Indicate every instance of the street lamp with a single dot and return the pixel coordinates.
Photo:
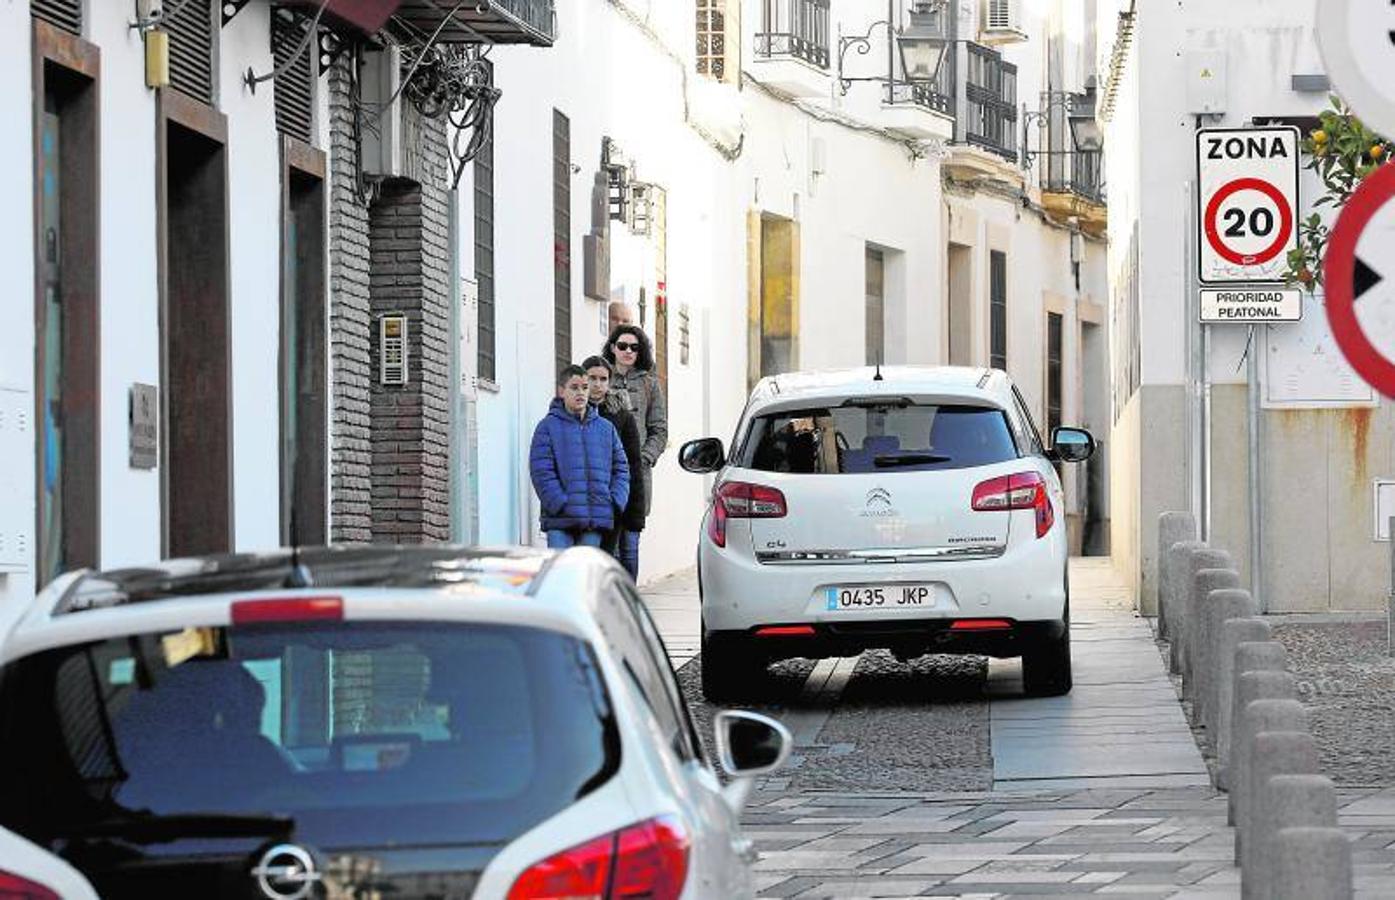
(1085, 132)
(921, 46)
(1084, 128)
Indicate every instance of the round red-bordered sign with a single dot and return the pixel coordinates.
(1213, 210)
(1339, 276)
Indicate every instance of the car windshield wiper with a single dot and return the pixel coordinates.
(145, 827)
(892, 460)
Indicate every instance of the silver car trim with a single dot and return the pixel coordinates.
(872, 557)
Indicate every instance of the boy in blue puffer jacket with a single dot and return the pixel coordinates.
(578, 467)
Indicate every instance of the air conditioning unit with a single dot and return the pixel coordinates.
(1002, 22)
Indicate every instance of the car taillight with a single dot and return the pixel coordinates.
(741, 500)
(287, 609)
(1025, 490)
(648, 861)
(13, 887)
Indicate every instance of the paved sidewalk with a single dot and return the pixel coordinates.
(1121, 725)
(1146, 844)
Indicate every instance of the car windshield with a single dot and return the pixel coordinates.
(878, 437)
(351, 734)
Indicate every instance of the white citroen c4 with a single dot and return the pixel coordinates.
(913, 509)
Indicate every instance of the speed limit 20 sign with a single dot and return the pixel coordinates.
(1247, 203)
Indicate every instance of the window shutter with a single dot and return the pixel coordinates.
(64, 14)
(484, 255)
(997, 299)
(191, 49)
(295, 80)
(561, 238)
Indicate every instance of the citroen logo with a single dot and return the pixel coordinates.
(879, 496)
(287, 872)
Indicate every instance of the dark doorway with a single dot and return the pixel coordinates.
(304, 438)
(66, 314)
(196, 376)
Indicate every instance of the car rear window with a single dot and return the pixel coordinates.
(878, 437)
(361, 733)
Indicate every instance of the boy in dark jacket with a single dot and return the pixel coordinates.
(578, 467)
(614, 408)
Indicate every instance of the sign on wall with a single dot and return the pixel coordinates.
(1303, 368)
(1241, 305)
(144, 449)
(1247, 203)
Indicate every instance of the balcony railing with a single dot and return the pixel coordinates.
(797, 28)
(1078, 172)
(491, 21)
(937, 95)
(990, 91)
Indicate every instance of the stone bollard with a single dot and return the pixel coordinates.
(1174, 604)
(1278, 711)
(1313, 864)
(1196, 561)
(1273, 753)
(1173, 528)
(1285, 801)
(1216, 608)
(1234, 633)
(1193, 673)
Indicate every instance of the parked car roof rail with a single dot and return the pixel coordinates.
(341, 566)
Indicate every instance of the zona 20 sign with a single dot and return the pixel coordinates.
(1247, 203)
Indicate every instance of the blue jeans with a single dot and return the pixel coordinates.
(628, 552)
(561, 540)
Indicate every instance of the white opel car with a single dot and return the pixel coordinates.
(911, 509)
(385, 722)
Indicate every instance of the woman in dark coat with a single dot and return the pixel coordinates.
(632, 357)
(613, 406)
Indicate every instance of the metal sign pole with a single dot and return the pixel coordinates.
(1256, 479)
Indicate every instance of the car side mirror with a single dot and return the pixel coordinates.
(750, 744)
(1072, 445)
(702, 456)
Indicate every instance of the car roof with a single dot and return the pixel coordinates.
(520, 585)
(969, 383)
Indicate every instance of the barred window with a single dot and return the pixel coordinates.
(712, 38)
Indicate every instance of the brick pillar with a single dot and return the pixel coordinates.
(350, 322)
(409, 274)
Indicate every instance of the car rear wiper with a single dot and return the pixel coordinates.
(145, 827)
(892, 460)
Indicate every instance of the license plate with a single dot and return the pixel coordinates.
(884, 596)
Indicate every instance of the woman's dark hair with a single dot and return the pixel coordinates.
(644, 361)
(597, 362)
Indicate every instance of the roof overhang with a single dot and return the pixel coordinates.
(452, 21)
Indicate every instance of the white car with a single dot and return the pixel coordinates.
(380, 721)
(913, 509)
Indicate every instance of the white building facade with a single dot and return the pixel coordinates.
(800, 226)
(1181, 401)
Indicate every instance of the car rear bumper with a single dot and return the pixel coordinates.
(1025, 587)
(907, 638)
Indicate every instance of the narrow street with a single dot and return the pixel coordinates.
(937, 777)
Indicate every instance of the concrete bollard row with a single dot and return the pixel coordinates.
(1234, 633)
(1173, 528)
(1220, 607)
(1284, 801)
(1207, 582)
(1312, 864)
(1271, 753)
(1264, 702)
(1197, 561)
(1179, 563)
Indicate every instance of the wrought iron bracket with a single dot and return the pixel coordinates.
(231, 8)
(863, 43)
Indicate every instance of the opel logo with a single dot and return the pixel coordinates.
(879, 496)
(287, 872)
